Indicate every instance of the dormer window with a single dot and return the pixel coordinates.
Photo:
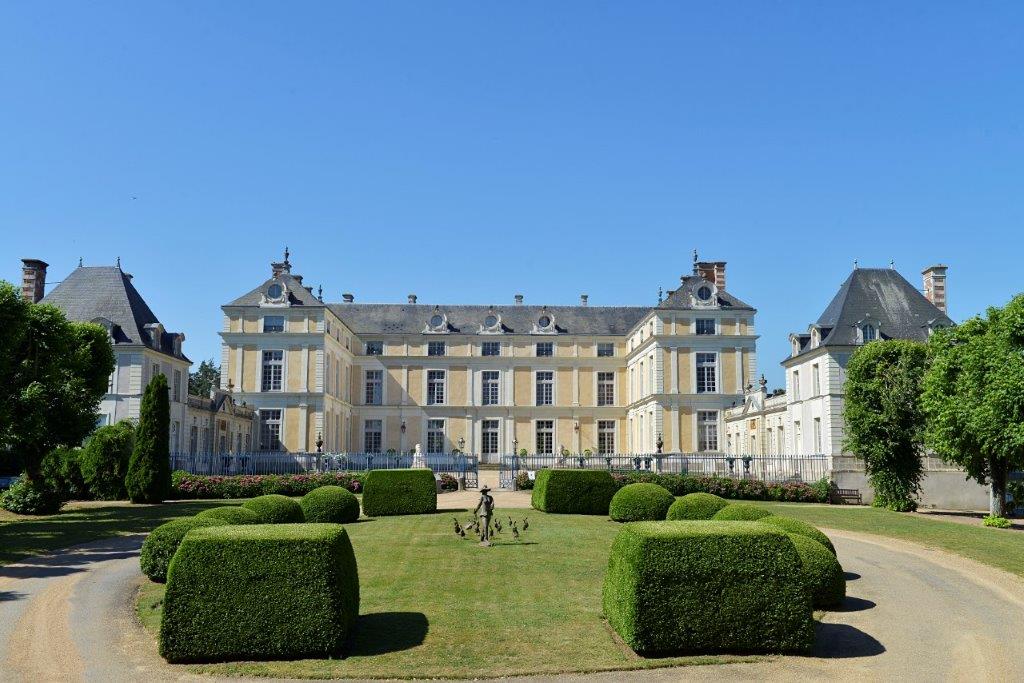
(274, 291)
(437, 322)
(544, 322)
(868, 333)
(703, 295)
(490, 321)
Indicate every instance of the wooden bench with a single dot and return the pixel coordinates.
(850, 496)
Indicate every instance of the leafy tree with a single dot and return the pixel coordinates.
(53, 374)
(149, 471)
(104, 461)
(884, 420)
(974, 397)
(204, 379)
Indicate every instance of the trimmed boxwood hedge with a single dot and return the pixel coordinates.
(275, 509)
(258, 592)
(706, 586)
(574, 492)
(399, 492)
(740, 512)
(161, 544)
(696, 506)
(232, 514)
(822, 571)
(795, 526)
(330, 504)
(640, 502)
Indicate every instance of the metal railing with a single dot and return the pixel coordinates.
(770, 469)
(458, 465)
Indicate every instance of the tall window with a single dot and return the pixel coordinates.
(817, 435)
(273, 370)
(374, 387)
(374, 348)
(435, 348)
(435, 436)
(606, 388)
(489, 387)
(816, 379)
(156, 371)
(606, 436)
(193, 439)
(177, 386)
(110, 381)
(707, 371)
(868, 332)
(435, 387)
(707, 430)
(780, 440)
(372, 436)
(796, 385)
(273, 323)
(489, 437)
(545, 437)
(490, 349)
(705, 325)
(545, 349)
(643, 377)
(270, 430)
(798, 435)
(545, 388)
(605, 349)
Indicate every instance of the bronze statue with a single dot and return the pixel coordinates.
(485, 510)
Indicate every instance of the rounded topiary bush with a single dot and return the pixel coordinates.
(640, 503)
(161, 544)
(741, 512)
(330, 504)
(232, 514)
(822, 571)
(275, 509)
(695, 506)
(795, 526)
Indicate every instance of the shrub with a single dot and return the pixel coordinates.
(286, 591)
(399, 492)
(62, 472)
(694, 506)
(161, 544)
(30, 497)
(640, 502)
(232, 514)
(822, 572)
(275, 509)
(575, 492)
(707, 586)
(330, 504)
(149, 470)
(104, 461)
(740, 512)
(736, 489)
(523, 481)
(200, 486)
(448, 482)
(996, 521)
(795, 526)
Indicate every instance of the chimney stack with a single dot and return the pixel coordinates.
(347, 298)
(935, 285)
(412, 298)
(583, 299)
(519, 299)
(712, 271)
(33, 279)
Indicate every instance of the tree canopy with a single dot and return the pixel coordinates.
(974, 397)
(205, 378)
(53, 374)
(884, 419)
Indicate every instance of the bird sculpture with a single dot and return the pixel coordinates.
(510, 522)
(462, 532)
(526, 524)
(515, 532)
(497, 526)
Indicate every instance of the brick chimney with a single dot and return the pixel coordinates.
(712, 271)
(935, 285)
(583, 299)
(33, 279)
(412, 298)
(519, 299)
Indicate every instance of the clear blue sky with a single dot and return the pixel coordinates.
(469, 151)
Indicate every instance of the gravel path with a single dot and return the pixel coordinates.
(913, 614)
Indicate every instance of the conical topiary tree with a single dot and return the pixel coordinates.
(149, 471)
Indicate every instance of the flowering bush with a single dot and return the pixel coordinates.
(200, 486)
(523, 482)
(726, 487)
(448, 482)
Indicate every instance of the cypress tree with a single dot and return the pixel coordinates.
(149, 471)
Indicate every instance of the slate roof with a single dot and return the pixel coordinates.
(106, 293)
(896, 307)
(297, 294)
(680, 298)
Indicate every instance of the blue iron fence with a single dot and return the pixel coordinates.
(456, 464)
(772, 469)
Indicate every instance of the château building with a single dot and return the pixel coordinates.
(372, 377)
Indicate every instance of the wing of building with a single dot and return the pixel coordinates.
(489, 379)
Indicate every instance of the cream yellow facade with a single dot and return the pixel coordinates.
(489, 380)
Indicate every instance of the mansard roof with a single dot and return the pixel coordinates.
(106, 295)
(298, 295)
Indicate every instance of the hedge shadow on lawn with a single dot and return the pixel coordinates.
(383, 632)
(842, 641)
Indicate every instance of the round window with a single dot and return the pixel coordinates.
(544, 321)
(490, 321)
(436, 321)
(704, 293)
(274, 291)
